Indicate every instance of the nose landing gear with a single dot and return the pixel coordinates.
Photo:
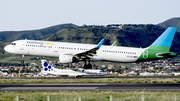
(22, 61)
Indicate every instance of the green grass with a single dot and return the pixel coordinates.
(101, 80)
(90, 96)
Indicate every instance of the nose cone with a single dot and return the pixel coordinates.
(7, 49)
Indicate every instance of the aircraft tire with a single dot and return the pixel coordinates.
(87, 66)
(22, 62)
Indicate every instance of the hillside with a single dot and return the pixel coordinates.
(32, 34)
(173, 22)
(129, 35)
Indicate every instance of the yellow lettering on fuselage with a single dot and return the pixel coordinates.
(47, 43)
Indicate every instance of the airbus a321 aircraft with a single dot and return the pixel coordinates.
(76, 72)
(75, 52)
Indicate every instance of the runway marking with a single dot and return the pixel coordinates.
(70, 84)
(49, 88)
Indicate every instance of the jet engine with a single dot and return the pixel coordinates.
(67, 59)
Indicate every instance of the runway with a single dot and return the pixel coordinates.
(90, 87)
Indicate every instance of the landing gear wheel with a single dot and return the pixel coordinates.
(22, 61)
(87, 66)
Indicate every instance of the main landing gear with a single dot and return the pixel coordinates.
(87, 66)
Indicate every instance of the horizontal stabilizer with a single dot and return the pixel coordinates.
(168, 54)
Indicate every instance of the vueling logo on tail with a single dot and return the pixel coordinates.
(47, 67)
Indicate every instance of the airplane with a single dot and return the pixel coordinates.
(76, 72)
(75, 52)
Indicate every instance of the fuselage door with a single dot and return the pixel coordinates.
(55, 47)
(22, 45)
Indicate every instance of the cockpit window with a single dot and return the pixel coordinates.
(13, 44)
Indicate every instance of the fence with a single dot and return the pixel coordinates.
(110, 98)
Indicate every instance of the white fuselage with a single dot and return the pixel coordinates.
(69, 72)
(54, 49)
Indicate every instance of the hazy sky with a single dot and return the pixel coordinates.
(16, 15)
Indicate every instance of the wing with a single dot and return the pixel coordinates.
(90, 53)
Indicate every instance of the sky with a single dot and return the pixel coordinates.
(18, 15)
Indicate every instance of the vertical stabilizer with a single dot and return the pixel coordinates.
(165, 40)
(159, 49)
(46, 67)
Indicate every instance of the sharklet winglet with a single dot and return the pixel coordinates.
(114, 44)
(100, 43)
